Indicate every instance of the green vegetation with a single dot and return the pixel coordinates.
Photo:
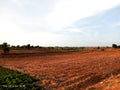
(5, 48)
(119, 46)
(14, 80)
(115, 46)
(28, 46)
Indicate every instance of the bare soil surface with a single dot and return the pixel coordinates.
(111, 83)
(66, 70)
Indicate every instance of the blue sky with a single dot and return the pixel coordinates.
(60, 22)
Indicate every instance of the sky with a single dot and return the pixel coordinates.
(60, 22)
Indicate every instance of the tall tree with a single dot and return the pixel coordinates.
(114, 45)
(5, 48)
(28, 46)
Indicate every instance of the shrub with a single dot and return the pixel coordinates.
(98, 47)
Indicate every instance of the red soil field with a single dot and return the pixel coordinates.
(60, 70)
(111, 83)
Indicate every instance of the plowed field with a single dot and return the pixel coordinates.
(66, 70)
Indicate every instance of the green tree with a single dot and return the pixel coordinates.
(119, 46)
(5, 48)
(114, 46)
(28, 46)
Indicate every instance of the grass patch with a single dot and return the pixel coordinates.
(14, 80)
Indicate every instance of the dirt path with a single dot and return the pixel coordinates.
(74, 71)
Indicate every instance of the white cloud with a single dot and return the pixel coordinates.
(20, 19)
(19, 3)
(68, 11)
(75, 30)
(9, 27)
(116, 24)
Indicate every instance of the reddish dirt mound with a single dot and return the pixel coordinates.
(73, 71)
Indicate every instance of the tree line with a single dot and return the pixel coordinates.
(115, 46)
(7, 47)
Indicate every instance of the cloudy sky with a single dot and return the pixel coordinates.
(60, 22)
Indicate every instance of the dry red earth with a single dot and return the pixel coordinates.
(111, 83)
(66, 70)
